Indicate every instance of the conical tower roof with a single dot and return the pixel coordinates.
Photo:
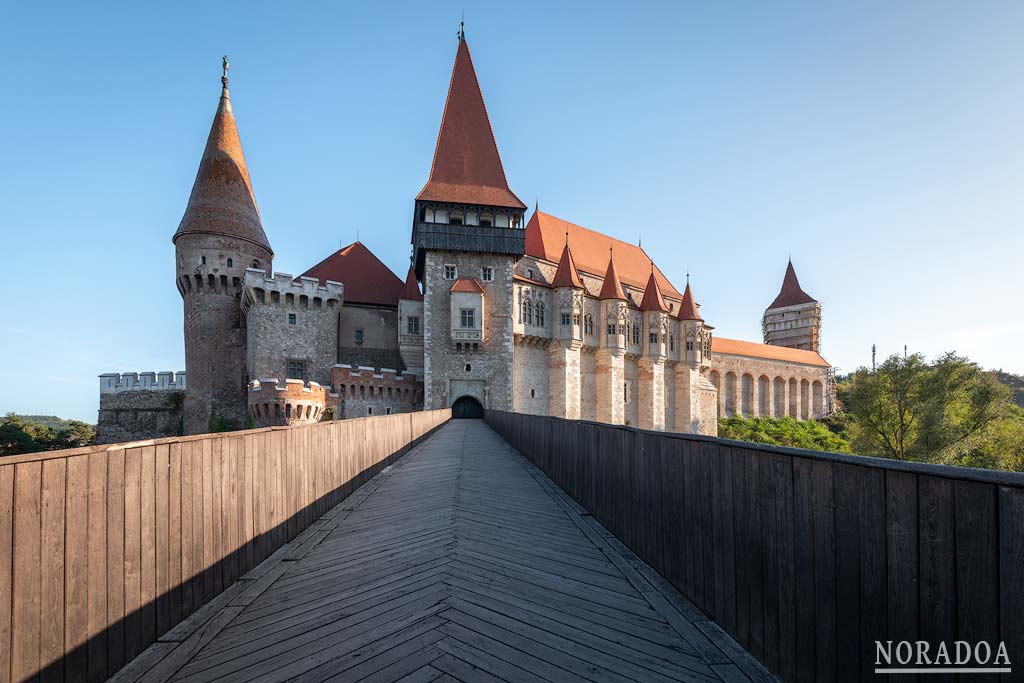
(653, 300)
(467, 167)
(791, 294)
(222, 201)
(612, 288)
(566, 275)
(411, 291)
(688, 307)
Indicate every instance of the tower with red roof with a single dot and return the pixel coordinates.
(467, 234)
(219, 237)
(793, 319)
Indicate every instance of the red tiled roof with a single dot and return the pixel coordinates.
(468, 284)
(611, 288)
(688, 307)
(366, 279)
(735, 347)
(566, 275)
(222, 201)
(467, 167)
(652, 300)
(545, 235)
(791, 294)
(411, 291)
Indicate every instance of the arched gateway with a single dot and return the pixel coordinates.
(467, 408)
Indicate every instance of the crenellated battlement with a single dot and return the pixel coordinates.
(304, 292)
(115, 383)
(363, 390)
(294, 402)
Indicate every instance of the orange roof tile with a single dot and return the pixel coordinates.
(467, 167)
(611, 288)
(652, 300)
(411, 291)
(222, 201)
(468, 284)
(566, 275)
(545, 235)
(366, 279)
(735, 347)
(688, 307)
(791, 294)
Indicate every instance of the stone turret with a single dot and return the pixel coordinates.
(696, 396)
(794, 318)
(564, 351)
(611, 355)
(219, 236)
(651, 366)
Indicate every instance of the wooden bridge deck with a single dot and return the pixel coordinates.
(460, 562)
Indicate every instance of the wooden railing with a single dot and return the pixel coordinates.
(805, 558)
(104, 549)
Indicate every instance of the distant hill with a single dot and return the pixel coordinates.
(52, 421)
(1016, 384)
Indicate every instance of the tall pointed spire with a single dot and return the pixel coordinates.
(688, 307)
(791, 293)
(411, 290)
(612, 287)
(467, 167)
(566, 275)
(222, 200)
(653, 300)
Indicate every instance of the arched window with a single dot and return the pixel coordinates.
(636, 333)
(486, 220)
(456, 218)
(231, 263)
(671, 342)
(256, 264)
(588, 324)
(528, 312)
(540, 314)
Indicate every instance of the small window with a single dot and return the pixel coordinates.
(204, 260)
(611, 329)
(359, 336)
(450, 273)
(291, 318)
(468, 367)
(529, 272)
(387, 410)
(487, 274)
(297, 369)
(566, 319)
(652, 338)
(413, 324)
(458, 347)
(689, 345)
(255, 264)
(231, 263)
(533, 393)
(540, 314)
(467, 317)
(369, 410)
(476, 346)
(485, 222)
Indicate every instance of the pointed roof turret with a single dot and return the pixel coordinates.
(653, 300)
(791, 294)
(688, 307)
(566, 275)
(411, 291)
(222, 201)
(611, 288)
(467, 167)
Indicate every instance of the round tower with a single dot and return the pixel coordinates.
(220, 236)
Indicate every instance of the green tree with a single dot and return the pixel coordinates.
(884, 406)
(14, 438)
(785, 431)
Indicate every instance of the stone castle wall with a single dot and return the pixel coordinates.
(139, 414)
(364, 391)
(486, 374)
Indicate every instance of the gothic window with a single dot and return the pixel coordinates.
(450, 272)
(566, 319)
(413, 324)
(455, 218)
(297, 369)
(467, 317)
(689, 345)
(652, 338)
(611, 329)
(576, 319)
(486, 220)
(231, 263)
(255, 264)
(528, 312)
(540, 314)
(487, 274)
(636, 333)
(588, 324)
(671, 342)
(625, 392)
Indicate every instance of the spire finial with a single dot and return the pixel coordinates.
(566, 238)
(687, 277)
(462, 27)
(536, 205)
(225, 65)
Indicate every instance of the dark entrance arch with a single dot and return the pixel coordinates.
(467, 408)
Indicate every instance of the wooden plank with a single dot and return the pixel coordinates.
(848, 488)
(805, 628)
(824, 540)
(199, 525)
(76, 570)
(133, 643)
(116, 470)
(26, 593)
(52, 616)
(174, 537)
(936, 550)
(97, 617)
(147, 546)
(977, 563)
(162, 518)
(873, 608)
(6, 567)
(784, 521)
(769, 494)
(209, 540)
(1011, 568)
(901, 556)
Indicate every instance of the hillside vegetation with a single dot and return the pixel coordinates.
(31, 433)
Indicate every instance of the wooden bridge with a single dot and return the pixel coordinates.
(416, 547)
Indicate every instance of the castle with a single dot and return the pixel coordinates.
(496, 311)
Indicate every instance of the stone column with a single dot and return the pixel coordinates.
(651, 410)
(564, 379)
(688, 396)
(610, 378)
(755, 397)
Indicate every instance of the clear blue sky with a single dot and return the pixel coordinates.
(879, 143)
